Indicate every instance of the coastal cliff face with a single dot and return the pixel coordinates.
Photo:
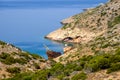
(86, 26)
(97, 30)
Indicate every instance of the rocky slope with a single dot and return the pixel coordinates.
(86, 26)
(97, 31)
(13, 60)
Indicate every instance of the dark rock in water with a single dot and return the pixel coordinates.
(52, 54)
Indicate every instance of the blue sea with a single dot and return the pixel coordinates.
(24, 23)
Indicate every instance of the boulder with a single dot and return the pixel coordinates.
(52, 54)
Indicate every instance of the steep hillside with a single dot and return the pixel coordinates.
(97, 34)
(97, 30)
(13, 60)
(88, 25)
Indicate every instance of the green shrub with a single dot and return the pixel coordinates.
(7, 59)
(114, 58)
(25, 55)
(80, 76)
(57, 69)
(70, 66)
(105, 45)
(36, 66)
(114, 67)
(114, 22)
(4, 55)
(97, 63)
(13, 70)
(118, 51)
(2, 43)
(64, 27)
(103, 13)
(21, 61)
(86, 58)
(39, 75)
(60, 77)
(22, 76)
(78, 68)
(35, 56)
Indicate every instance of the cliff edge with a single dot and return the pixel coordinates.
(88, 25)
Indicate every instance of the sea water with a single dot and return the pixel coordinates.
(24, 23)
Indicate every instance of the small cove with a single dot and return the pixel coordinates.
(25, 23)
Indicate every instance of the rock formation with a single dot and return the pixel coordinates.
(52, 54)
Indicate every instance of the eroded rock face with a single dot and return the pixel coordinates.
(52, 54)
(75, 35)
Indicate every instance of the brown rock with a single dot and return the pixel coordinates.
(52, 54)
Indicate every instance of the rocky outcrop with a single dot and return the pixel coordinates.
(52, 54)
(75, 35)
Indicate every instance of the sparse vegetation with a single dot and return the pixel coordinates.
(64, 26)
(39, 75)
(13, 70)
(2, 43)
(114, 67)
(8, 59)
(86, 63)
(80, 76)
(35, 56)
(114, 22)
(36, 65)
(103, 14)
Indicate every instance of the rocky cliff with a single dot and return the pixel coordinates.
(96, 29)
(88, 25)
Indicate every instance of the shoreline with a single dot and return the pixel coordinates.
(59, 34)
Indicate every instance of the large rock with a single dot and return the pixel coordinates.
(52, 54)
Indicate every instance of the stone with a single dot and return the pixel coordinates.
(52, 54)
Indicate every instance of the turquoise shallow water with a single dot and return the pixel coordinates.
(24, 23)
(38, 48)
